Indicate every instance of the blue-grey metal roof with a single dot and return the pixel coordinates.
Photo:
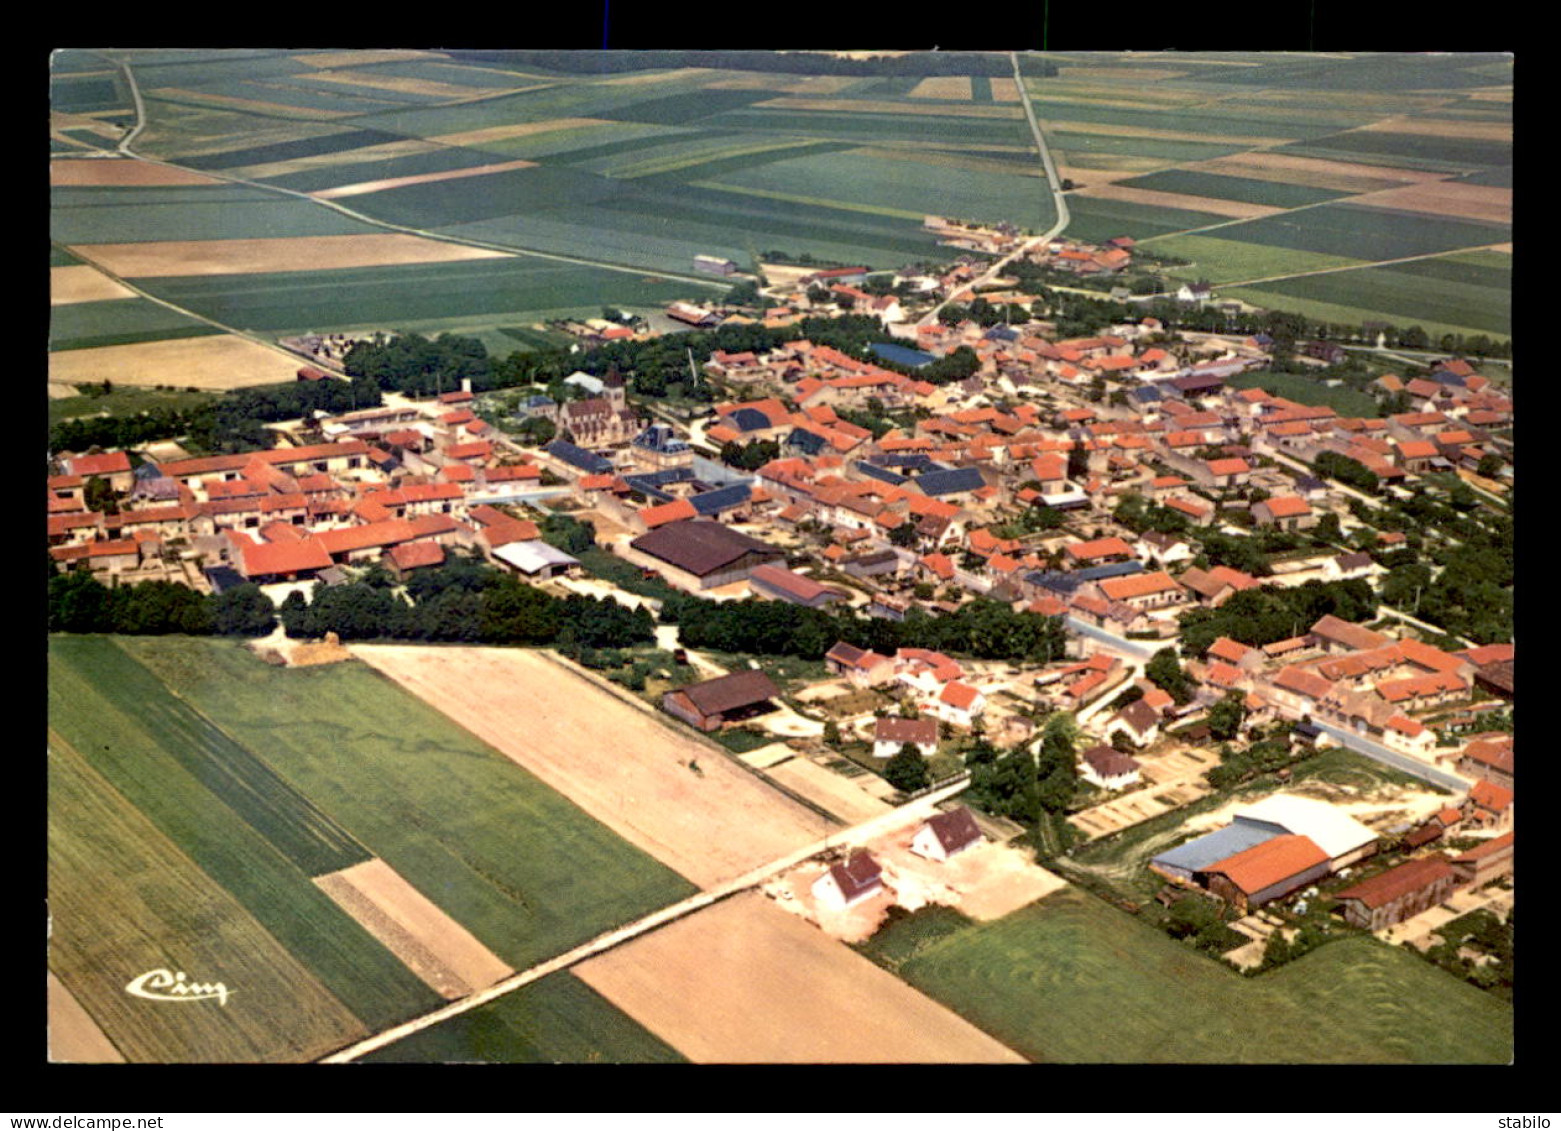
(952, 482)
(882, 474)
(223, 578)
(1001, 334)
(660, 438)
(1065, 582)
(722, 498)
(1307, 483)
(576, 456)
(1145, 394)
(749, 420)
(906, 461)
(1198, 854)
(902, 355)
(653, 483)
(811, 443)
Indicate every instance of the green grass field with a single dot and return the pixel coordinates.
(369, 297)
(1221, 187)
(1225, 261)
(556, 1020)
(214, 212)
(1304, 390)
(1437, 290)
(522, 868)
(113, 322)
(124, 900)
(1107, 219)
(94, 707)
(1070, 979)
(1354, 314)
(1365, 233)
(124, 401)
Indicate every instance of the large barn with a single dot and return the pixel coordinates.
(705, 555)
(716, 702)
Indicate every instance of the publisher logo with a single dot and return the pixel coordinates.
(165, 985)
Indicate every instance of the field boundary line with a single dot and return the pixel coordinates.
(1358, 266)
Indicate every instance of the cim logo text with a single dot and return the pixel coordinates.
(165, 985)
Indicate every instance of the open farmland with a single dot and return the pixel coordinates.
(1073, 980)
(80, 283)
(504, 289)
(211, 361)
(119, 321)
(1422, 292)
(555, 1020)
(210, 212)
(121, 173)
(260, 256)
(743, 982)
(628, 768)
(124, 900)
(520, 867)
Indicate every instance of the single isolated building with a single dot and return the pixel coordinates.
(714, 703)
(946, 835)
(848, 884)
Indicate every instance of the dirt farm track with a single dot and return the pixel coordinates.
(710, 821)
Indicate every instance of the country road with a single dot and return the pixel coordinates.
(920, 809)
(1057, 196)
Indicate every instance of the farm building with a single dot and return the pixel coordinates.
(891, 733)
(1398, 893)
(1266, 871)
(1186, 860)
(794, 588)
(714, 703)
(535, 559)
(846, 885)
(1344, 839)
(714, 265)
(946, 835)
(862, 668)
(706, 555)
(1490, 861)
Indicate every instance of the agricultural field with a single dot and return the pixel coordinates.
(206, 361)
(1437, 291)
(123, 321)
(1223, 187)
(124, 402)
(555, 1020)
(1215, 259)
(523, 869)
(216, 212)
(1073, 980)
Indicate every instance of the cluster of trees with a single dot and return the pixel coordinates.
(1024, 787)
(1164, 670)
(419, 366)
(1268, 614)
(927, 63)
(1350, 472)
(1140, 515)
(1200, 920)
(985, 629)
(1481, 930)
(984, 313)
(465, 601)
(78, 602)
(1262, 757)
(750, 456)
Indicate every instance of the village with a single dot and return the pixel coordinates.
(1103, 484)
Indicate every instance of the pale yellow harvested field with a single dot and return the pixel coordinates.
(865, 106)
(1490, 203)
(122, 171)
(745, 983)
(1491, 96)
(1442, 127)
(1237, 208)
(386, 152)
(1344, 176)
(1506, 247)
(629, 769)
(1120, 74)
(399, 84)
(61, 392)
(942, 86)
(58, 121)
(281, 109)
(219, 361)
(74, 1038)
(284, 253)
(83, 284)
(363, 58)
(828, 790)
(1005, 90)
(363, 187)
(520, 129)
(444, 954)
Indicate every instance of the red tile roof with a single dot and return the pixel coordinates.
(1395, 883)
(1272, 862)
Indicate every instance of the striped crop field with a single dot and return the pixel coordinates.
(1366, 233)
(1217, 185)
(215, 212)
(115, 322)
(527, 872)
(555, 1020)
(1073, 980)
(1219, 260)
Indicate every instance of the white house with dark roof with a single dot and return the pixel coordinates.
(891, 733)
(946, 835)
(846, 885)
(1108, 768)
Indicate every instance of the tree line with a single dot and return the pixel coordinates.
(79, 602)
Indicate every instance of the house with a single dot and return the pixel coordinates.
(713, 704)
(891, 733)
(1400, 892)
(1265, 872)
(1487, 862)
(1108, 768)
(1154, 589)
(1488, 806)
(959, 704)
(1489, 759)
(846, 885)
(861, 667)
(1140, 721)
(1287, 512)
(1334, 635)
(946, 835)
